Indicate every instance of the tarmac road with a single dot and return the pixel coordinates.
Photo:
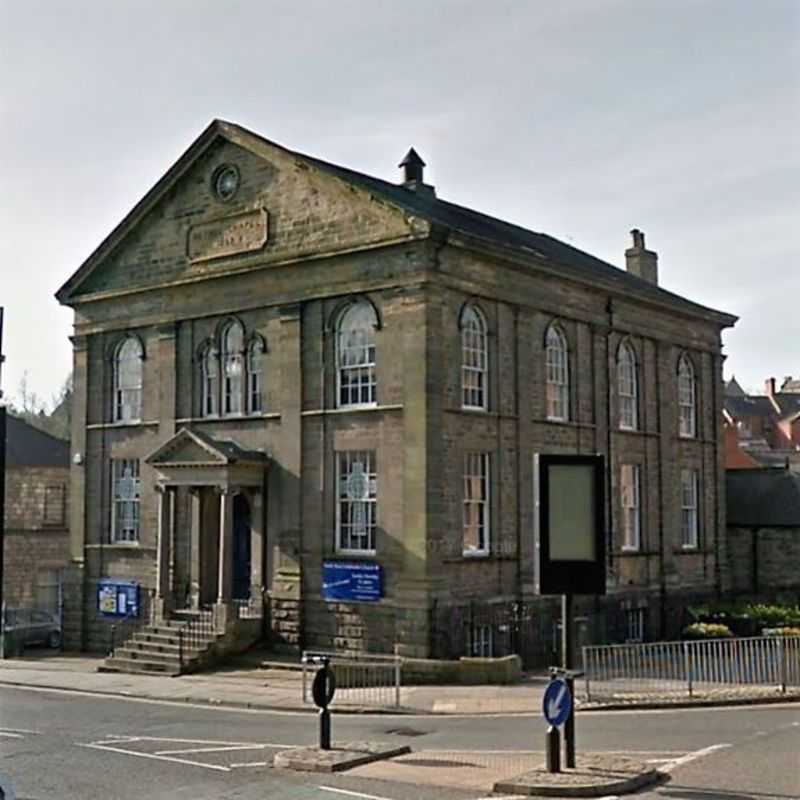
(56, 744)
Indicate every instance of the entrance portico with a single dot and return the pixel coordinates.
(215, 560)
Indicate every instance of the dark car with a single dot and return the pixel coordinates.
(31, 626)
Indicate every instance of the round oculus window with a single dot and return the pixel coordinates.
(225, 182)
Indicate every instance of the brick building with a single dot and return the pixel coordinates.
(762, 429)
(281, 363)
(36, 548)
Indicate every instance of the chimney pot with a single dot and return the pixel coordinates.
(769, 386)
(640, 261)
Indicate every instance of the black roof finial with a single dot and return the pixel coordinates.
(413, 166)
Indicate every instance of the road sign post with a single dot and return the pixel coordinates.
(557, 708)
(568, 655)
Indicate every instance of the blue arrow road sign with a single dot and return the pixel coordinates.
(557, 702)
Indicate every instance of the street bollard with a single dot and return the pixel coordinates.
(322, 690)
(552, 741)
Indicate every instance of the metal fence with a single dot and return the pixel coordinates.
(364, 679)
(690, 669)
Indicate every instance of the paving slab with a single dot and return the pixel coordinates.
(594, 775)
(340, 757)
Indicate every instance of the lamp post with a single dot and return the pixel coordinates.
(2, 492)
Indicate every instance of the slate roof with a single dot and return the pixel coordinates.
(788, 402)
(733, 388)
(505, 234)
(231, 449)
(749, 405)
(768, 498)
(27, 446)
(566, 259)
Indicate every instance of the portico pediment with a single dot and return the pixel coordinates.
(194, 458)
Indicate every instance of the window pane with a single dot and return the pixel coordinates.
(126, 494)
(474, 360)
(355, 353)
(357, 489)
(557, 375)
(476, 503)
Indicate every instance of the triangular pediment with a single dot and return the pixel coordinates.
(185, 448)
(285, 207)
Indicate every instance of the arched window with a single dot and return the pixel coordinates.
(233, 369)
(627, 388)
(687, 394)
(209, 379)
(355, 356)
(557, 377)
(128, 381)
(255, 353)
(474, 360)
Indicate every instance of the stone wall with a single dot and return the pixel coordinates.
(763, 560)
(36, 536)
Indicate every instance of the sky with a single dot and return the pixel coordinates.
(579, 118)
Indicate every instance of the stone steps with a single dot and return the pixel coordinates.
(156, 649)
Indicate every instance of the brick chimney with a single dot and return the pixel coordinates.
(640, 261)
(769, 387)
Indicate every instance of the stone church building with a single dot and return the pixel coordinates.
(313, 397)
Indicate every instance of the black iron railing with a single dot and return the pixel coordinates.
(195, 636)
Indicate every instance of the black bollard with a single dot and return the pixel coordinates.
(324, 729)
(552, 741)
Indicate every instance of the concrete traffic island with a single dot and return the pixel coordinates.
(595, 775)
(340, 757)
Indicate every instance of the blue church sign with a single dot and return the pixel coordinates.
(352, 580)
(118, 598)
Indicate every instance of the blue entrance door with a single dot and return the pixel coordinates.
(241, 548)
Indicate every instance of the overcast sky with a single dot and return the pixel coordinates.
(577, 118)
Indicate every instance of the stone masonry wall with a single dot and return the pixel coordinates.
(36, 537)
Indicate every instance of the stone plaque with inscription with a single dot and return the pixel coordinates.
(238, 233)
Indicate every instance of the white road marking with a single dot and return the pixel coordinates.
(154, 757)
(6, 735)
(189, 751)
(689, 757)
(353, 794)
(20, 730)
(250, 764)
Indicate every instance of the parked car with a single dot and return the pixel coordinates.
(29, 626)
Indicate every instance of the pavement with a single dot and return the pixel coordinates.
(251, 686)
(247, 684)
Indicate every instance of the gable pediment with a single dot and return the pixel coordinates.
(187, 448)
(283, 207)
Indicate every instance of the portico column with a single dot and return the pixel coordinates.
(194, 546)
(257, 550)
(225, 582)
(162, 549)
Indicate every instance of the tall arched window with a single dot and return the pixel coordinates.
(128, 381)
(209, 379)
(474, 360)
(627, 388)
(355, 356)
(255, 353)
(687, 395)
(557, 377)
(233, 369)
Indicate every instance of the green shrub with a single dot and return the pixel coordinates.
(707, 630)
(783, 631)
(773, 616)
